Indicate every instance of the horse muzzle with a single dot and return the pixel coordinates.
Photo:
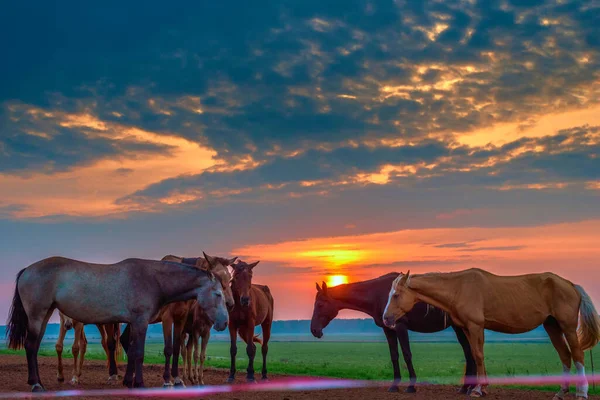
(390, 322)
(318, 333)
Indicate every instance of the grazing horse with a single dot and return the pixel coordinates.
(478, 300)
(253, 306)
(174, 315)
(80, 346)
(131, 291)
(370, 298)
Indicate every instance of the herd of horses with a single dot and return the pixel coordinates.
(191, 296)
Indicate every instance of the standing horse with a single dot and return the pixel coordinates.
(80, 346)
(478, 300)
(130, 291)
(370, 298)
(174, 316)
(197, 326)
(253, 306)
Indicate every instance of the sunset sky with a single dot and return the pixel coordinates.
(333, 141)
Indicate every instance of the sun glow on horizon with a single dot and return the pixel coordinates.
(334, 280)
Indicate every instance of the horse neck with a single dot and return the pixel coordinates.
(178, 282)
(436, 289)
(352, 296)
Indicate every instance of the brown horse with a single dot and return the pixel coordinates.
(197, 326)
(80, 346)
(131, 291)
(478, 300)
(174, 316)
(253, 306)
(370, 297)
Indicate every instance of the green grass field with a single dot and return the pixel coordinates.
(434, 362)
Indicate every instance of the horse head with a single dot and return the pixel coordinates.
(219, 266)
(324, 311)
(400, 300)
(241, 282)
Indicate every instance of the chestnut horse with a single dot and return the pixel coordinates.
(109, 334)
(131, 291)
(253, 307)
(370, 298)
(197, 326)
(478, 300)
(174, 316)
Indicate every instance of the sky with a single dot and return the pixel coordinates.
(331, 140)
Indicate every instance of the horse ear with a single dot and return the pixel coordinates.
(324, 286)
(231, 260)
(319, 290)
(406, 278)
(254, 264)
(208, 259)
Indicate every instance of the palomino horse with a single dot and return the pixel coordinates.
(370, 297)
(478, 300)
(197, 326)
(253, 306)
(174, 315)
(130, 291)
(80, 346)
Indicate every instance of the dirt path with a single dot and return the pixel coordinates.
(13, 378)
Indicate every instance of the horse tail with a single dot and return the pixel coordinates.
(589, 326)
(257, 339)
(18, 323)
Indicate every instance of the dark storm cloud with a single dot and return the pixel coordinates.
(271, 73)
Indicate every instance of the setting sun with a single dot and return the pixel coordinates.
(334, 280)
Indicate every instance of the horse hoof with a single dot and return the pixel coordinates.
(139, 385)
(128, 384)
(410, 389)
(393, 389)
(113, 379)
(251, 380)
(74, 381)
(179, 384)
(230, 380)
(264, 379)
(60, 379)
(475, 393)
(37, 388)
(167, 385)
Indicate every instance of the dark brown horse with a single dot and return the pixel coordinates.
(131, 291)
(253, 307)
(370, 297)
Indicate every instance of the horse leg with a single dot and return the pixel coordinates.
(111, 346)
(78, 327)
(128, 340)
(167, 325)
(103, 341)
(266, 329)
(558, 341)
(35, 332)
(82, 351)
(184, 356)
(178, 326)
(139, 334)
(578, 358)
(470, 368)
(250, 351)
(392, 338)
(476, 338)
(402, 332)
(200, 370)
(59, 350)
(233, 330)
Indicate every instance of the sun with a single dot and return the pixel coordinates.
(334, 280)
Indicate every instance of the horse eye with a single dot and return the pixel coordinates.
(218, 294)
(396, 296)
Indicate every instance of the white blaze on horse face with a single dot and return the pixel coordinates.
(387, 306)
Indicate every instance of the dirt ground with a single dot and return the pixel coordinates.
(13, 378)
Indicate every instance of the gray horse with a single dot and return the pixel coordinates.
(131, 291)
